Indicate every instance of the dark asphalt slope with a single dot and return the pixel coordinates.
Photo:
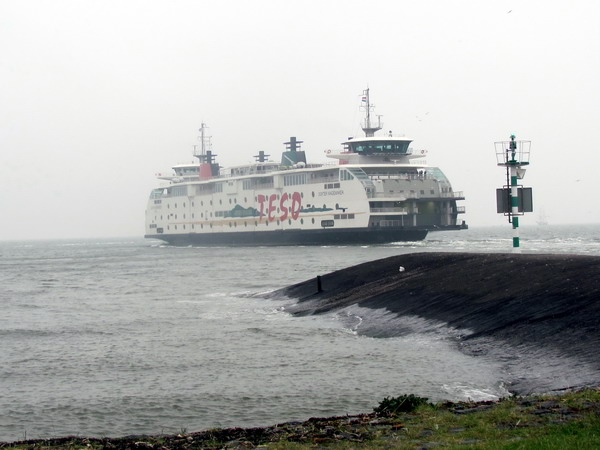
(546, 300)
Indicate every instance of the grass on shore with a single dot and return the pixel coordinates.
(569, 421)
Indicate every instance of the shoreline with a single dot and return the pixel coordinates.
(575, 415)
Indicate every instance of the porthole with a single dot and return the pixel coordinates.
(313, 220)
(301, 220)
(289, 221)
(313, 194)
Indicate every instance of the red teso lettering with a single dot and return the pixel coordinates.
(261, 201)
(282, 206)
(296, 205)
(272, 207)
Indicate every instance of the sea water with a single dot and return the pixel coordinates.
(127, 336)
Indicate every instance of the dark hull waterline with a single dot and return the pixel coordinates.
(349, 236)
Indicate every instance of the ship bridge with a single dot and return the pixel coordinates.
(379, 146)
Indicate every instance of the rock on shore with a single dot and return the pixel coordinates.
(539, 313)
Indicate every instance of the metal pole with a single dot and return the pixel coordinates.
(514, 202)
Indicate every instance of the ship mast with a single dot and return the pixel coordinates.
(208, 167)
(367, 127)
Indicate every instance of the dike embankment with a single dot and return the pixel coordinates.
(539, 313)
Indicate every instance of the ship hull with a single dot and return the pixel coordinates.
(350, 236)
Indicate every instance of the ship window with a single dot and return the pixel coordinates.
(422, 191)
(178, 191)
(301, 220)
(350, 216)
(432, 191)
(326, 223)
(345, 175)
(336, 216)
(294, 179)
(313, 220)
(380, 147)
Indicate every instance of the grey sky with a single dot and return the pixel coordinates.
(98, 96)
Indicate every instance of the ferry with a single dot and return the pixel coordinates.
(377, 190)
